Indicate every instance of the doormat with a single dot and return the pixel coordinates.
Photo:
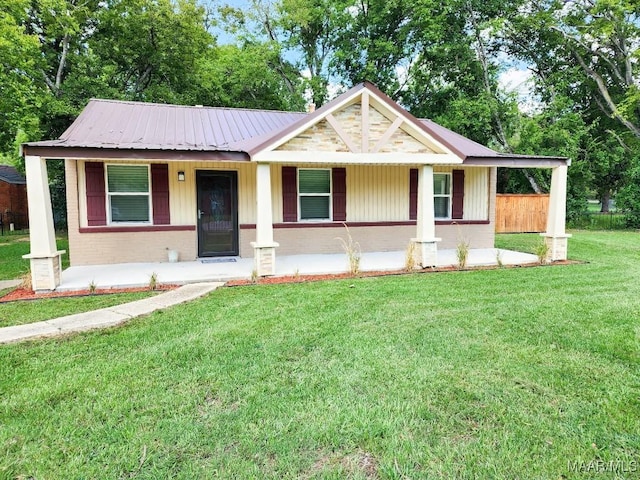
(217, 260)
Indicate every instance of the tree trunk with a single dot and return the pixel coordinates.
(532, 181)
(605, 198)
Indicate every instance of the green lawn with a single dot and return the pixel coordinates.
(13, 247)
(12, 265)
(506, 373)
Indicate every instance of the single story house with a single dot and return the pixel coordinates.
(13, 198)
(146, 178)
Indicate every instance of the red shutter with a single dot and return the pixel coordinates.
(413, 194)
(96, 198)
(289, 194)
(160, 193)
(457, 207)
(339, 193)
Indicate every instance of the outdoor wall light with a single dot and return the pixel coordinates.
(181, 176)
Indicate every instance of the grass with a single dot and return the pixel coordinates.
(447, 375)
(13, 247)
(21, 312)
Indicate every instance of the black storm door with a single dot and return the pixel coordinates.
(217, 213)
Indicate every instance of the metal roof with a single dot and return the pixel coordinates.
(112, 125)
(152, 126)
(11, 175)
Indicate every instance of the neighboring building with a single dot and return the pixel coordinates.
(13, 198)
(143, 178)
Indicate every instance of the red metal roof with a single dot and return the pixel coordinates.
(121, 125)
(152, 126)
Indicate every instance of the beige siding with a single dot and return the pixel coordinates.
(71, 180)
(182, 195)
(377, 193)
(476, 194)
(381, 193)
(276, 193)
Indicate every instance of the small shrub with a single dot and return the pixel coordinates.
(25, 281)
(254, 276)
(352, 249)
(153, 281)
(499, 258)
(410, 257)
(92, 287)
(462, 253)
(541, 250)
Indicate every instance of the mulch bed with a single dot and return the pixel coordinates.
(26, 294)
(338, 276)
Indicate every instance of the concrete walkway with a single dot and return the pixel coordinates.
(9, 283)
(106, 317)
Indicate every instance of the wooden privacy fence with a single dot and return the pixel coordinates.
(519, 213)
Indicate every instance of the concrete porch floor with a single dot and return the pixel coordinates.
(233, 268)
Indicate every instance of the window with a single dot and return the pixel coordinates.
(128, 193)
(442, 195)
(314, 194)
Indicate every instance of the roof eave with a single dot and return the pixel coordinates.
(517, 161)
(76, 152)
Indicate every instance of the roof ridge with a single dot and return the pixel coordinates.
(207, 107)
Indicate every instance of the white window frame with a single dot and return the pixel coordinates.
(329, 195)
(443, 195)
(109, 194)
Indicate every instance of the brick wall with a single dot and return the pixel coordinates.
(13, 204)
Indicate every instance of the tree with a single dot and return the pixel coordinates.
(250, 76)
(150, 49)
(18, 54)
(587, 51)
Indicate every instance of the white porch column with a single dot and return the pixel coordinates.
(555, 237)
(264, 247)
(426, 248)
(44, 256)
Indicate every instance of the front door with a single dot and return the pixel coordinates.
(217, 213)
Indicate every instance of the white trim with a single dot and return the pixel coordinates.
(347, 158)
(108, 194)
(441, 195)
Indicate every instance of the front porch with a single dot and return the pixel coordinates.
(225, 268)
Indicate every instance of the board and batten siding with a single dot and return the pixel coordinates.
(381, 193)
(476, 191)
